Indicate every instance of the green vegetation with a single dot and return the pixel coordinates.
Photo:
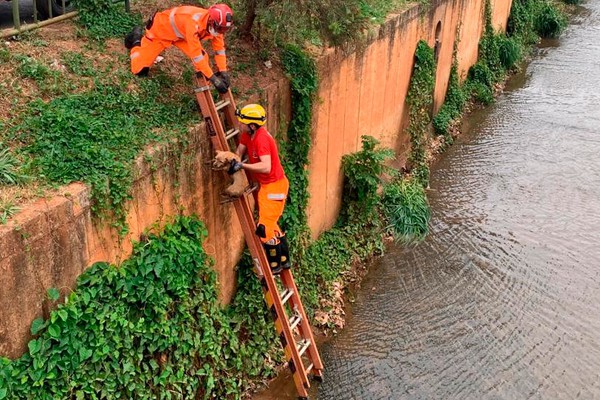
(103, 19)
(550, 21)
(77, 64)
(302, 72)
(93, 137)
(10, 170)
(420, 102)
(363, 171)
(453, 106)
(151, 328)
(407, 210)
(7, 210)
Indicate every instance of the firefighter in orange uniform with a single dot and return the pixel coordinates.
(265, 167)
(184, 27)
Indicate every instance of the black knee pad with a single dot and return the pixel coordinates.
(285, 252)
(273, 252)
(261, 231)
(134, 38)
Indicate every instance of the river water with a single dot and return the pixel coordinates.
(502, 300)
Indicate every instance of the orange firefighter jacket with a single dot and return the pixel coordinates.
(185, 27)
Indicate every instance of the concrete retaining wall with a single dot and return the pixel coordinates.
(54, 240)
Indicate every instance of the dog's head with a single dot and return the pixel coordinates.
(223, 159)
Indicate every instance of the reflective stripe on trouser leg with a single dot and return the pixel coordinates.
(271, 202)
(144, 55)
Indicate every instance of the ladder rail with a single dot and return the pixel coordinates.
(304, 326)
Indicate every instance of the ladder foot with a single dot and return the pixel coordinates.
(318, 378)
(302, 398)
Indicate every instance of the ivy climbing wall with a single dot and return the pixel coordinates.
(364, 93)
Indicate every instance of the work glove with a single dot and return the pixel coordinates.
(219, 84)
(234, 167)
(224, 77)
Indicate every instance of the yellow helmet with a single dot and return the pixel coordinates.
(252, 114)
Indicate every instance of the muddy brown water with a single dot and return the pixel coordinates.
(502, 300)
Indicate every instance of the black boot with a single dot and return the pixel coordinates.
(143, 73)
(285, 252)
(274, 257)
(134, 38)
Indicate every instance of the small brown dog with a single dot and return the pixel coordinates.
(222, 161)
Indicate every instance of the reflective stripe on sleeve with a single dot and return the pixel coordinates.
(220, 53)
(134, 55)
(172, 20)
(198, 59)
(276, 196)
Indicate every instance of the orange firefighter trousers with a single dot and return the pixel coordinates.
(271, 202)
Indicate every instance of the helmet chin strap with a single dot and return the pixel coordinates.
(252, 131)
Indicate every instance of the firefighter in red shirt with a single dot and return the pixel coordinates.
(265, 167)
(184, 27)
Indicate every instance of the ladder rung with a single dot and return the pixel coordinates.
(201, 89)
(302, 346)
(285, 296)
(309, 368)
(295, 321)
(222, 104)
(231, 133)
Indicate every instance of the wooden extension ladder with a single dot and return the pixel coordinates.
(287, 310)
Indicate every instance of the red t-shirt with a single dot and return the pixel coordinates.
(263, 144)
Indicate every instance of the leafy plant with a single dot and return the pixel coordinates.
(406, 207)
(301, 70)
(7, 210)
(509, 52)
(95, 136)
(454, 103)
(78, 64)
(550, 21)
(363, 171)
(9, 169)
(531, 19)
(32, 69)
(151, 328)
(104, 19)
(420, 101)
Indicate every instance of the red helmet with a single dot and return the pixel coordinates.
(221, 17)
